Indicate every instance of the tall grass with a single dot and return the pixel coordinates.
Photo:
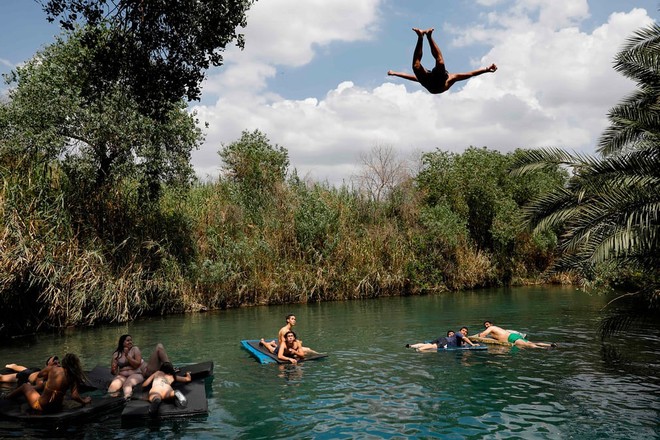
(213, 247)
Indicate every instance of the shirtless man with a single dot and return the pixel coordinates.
(437, 80)
(58, 381)
(511, 337)
(291, 350)
(27, 374)
(272, 345)
(161, 387)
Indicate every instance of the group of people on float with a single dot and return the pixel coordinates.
(461, 339)
(287, 348)
(130, 369)
(44, 388)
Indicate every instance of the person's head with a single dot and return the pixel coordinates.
(464, 331)
(124, 341)
(450, 333)
(53, 360)
(290, 337)
(487, 324)
(73, 369)
(167, 368)
(291, 319)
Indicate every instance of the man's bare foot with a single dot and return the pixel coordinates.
(419, 32)
(262, 341)
(429, 31)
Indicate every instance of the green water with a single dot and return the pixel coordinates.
(372, 387)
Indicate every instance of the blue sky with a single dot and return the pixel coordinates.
(313, 76)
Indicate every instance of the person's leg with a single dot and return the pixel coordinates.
(269, 345)
(154, 403)
(417, 67)
(17, 368)
(30, 394)
(523, 343)
(130, 382)
(156, 360)
(11, 377)
(18, 391)
(435, 50)
(426, 347)
(116, 384)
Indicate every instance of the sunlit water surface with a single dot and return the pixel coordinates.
(372, 387)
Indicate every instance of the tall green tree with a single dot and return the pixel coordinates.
(157, 49)
(108, 150)
(609, 210)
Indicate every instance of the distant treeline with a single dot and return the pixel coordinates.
(73, 256)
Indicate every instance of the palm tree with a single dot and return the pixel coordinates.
(609, 209)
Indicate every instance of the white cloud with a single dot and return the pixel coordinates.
(554, 86)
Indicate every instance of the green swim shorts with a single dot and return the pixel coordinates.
(513, 337)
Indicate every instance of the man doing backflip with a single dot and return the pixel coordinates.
(437, 80)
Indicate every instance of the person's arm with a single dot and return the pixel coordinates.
(43, 373)
(186, 378)
(75, 395)
(466, 339)
(486, 332)
(280, 355)
(403, 75)
(298, 349)
(134, 357)
(150, 379)
(114, 364)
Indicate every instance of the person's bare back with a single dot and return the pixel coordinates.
(516, 339)
(496, 332)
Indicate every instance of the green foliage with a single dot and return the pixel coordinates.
(316, 225)
(156, 50)
(106, 151)
(609, 210)
(478, 188)
(258, 169)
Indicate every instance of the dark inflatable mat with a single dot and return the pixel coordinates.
(100, 377)
(195, 393)
(266, 357)
(72, 412)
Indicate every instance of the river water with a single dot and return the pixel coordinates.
(370, 386)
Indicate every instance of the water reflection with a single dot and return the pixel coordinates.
(372, 387)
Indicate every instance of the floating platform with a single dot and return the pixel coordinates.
(467, 347)
(98, 381)
(266, 357)
(195, 393)
(489, 341)
(72, 411)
